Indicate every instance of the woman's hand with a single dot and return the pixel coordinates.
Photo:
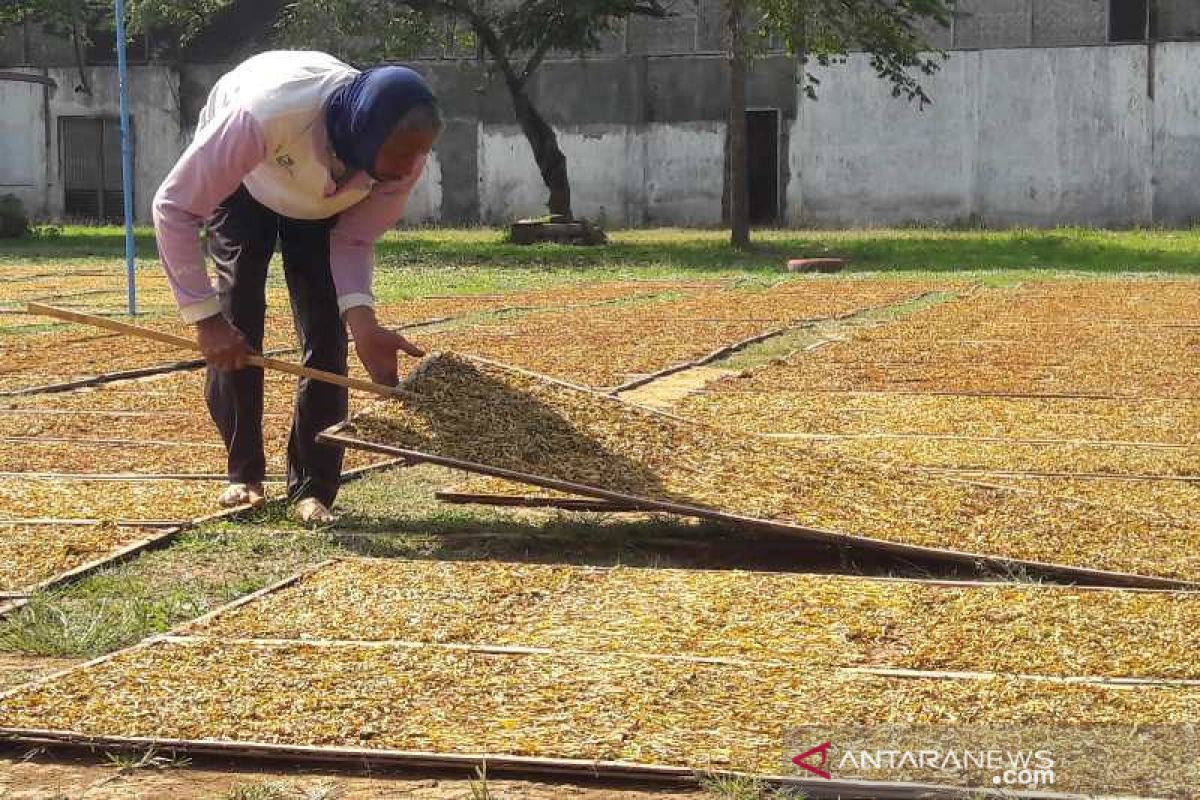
(377, 347)
(223, 345)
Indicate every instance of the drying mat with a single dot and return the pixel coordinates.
(487, 418)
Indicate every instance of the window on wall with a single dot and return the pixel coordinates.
(90, 151)
(1128, 20)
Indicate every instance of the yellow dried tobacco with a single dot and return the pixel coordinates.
(30, 554)
(112, 457)
(995, 342)
(817, 621)
(610, 345)
(564, 296)
(671, 712)
(81, 353)
(488, 414)
(1174, 498)
(734, 403)
(1065, 457)
(51, 285)
(108, 500)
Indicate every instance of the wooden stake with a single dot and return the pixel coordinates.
(187, 344)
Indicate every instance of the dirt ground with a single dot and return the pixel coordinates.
(75, 778)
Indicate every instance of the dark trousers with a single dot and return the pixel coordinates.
(241, 240)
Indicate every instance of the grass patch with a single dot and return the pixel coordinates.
(733, 787)
(784, 345)
(63, 627)
(124, 604)
(265, 790)
(128, 762)
(478, 260)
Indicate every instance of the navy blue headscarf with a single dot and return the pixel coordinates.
(362, 114)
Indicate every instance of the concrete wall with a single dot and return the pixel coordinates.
(29, 132)
(22, 143)
(1176, 135)
(154, 110)
(1015, 137)
(1178, 19)
(623, 175)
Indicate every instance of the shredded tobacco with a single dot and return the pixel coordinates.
(611, 707)
(30, 554)
(816, 621)
(487, 414)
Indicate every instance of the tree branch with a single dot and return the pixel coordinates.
(491, 42)
(651, 8)
(534, 61)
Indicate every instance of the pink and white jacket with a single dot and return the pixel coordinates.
(264, 126)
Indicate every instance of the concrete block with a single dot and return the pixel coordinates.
(672, 35)
(710, 26)
(1063, 137)
(685, 169)
(1178, 19)
(1176, 134)
(1069, 22)
(687, 89)
(938, 36)
(993, 23)
(860, 156)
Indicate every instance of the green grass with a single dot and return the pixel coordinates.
(266, 790)
(478, 260)
(723, 787)
(480, 790)
(124, 604)
(788, 342)
(127, 762)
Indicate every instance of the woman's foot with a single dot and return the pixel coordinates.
(311, 511)
(243, 494)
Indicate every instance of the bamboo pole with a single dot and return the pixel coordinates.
(265, 362)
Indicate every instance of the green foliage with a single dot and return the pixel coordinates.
(510, 32)
(184, 18)
(129, 762)
(570, 26)
(65, 18)
(362, 31)
(266, 790)
(824, 32)
(737, 787)
(81, 20)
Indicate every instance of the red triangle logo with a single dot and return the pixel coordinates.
(822, 750)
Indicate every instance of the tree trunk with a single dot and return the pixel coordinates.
(550, 159)
(739, 195)
(76, 39)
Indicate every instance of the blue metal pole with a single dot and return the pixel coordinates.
(126, 162)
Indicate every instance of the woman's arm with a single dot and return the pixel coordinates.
(352, 260)
(210, 170)
(352, 241)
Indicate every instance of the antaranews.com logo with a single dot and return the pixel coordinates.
(1161, 761)
(1024, 769)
